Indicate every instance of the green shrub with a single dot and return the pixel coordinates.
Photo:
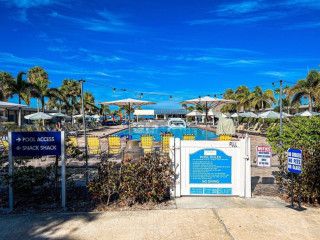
(300, 133)
(146, 180)
(27, 178)
(106, 183)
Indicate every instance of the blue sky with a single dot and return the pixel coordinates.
(171, 47)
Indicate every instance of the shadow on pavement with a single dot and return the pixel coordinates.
(41, 226)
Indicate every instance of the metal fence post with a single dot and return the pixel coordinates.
(10, 172)
(63, 171)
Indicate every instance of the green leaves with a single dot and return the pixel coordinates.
(302, 133)
(144, 181)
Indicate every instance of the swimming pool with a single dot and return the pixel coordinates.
(177, 132)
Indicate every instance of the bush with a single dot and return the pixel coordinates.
(106, 183)
(27, 178)
(147, 180)
(301, 133)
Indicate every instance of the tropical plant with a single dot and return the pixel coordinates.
(71, 90)
(232, 107)
(6, 81)
(23, 88)
(243, 95)
(261, 100)
(304, 134)
(305, 88)
(39, 77)
(88, 100)
(42, 91)
(184, 106)
(104, 109)
(126, 110)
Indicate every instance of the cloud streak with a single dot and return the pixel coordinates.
(107, 23)
(256, 11)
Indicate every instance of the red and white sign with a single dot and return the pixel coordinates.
(264, 156)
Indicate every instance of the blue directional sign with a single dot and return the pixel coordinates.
(35, 143)
(295, 161)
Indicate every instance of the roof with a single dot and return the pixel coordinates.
(10, 105)
(170, 111)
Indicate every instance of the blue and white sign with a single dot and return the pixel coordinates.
(210, 166)
(36, 143)
(295, 161)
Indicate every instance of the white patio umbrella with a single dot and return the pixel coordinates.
(223, 115)
(207, 100)
(128, 102)
(287, 114)
(58, 114)
(248, 114)
(269, 114)
(194, 113)
(81, 115)
(307, 114)
(38, 116)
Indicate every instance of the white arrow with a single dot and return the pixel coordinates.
(18, 148)
(18, 139)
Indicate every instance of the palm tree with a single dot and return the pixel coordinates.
(41, 91)
(71, 90)
(38, 76)
(23, 88)
(184, 106)
(6, 82)
(190, 108)
(243, 95)
(104, 109)
(305, 88)
(261, 100)
(88, 100)
(126, 110)
(231, 95)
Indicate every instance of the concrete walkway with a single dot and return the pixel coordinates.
(195, 218)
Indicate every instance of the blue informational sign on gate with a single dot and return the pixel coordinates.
(210, 166)
(36, 143)
(295, 161)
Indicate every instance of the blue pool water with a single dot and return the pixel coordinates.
(177, 132)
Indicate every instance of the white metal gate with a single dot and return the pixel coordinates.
(211, 168)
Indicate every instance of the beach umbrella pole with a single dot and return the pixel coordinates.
(206, 120)
(85, 133)
(280, 107)
(129, 120)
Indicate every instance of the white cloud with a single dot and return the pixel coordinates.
(110, 24)
(242, 7)
(274, 74)
(29, 3)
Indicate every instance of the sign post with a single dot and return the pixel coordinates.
(294, 166)
(37, 144)
(263, 156)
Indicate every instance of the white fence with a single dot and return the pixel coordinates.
(211, 168)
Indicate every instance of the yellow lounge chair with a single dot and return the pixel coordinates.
(114, 146)
(165, 139)
(225, 137)
(73, 140)
(93, 145)
(4, 145)
(146, 143)
(188, 137)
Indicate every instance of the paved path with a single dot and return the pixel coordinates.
(195, 218)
